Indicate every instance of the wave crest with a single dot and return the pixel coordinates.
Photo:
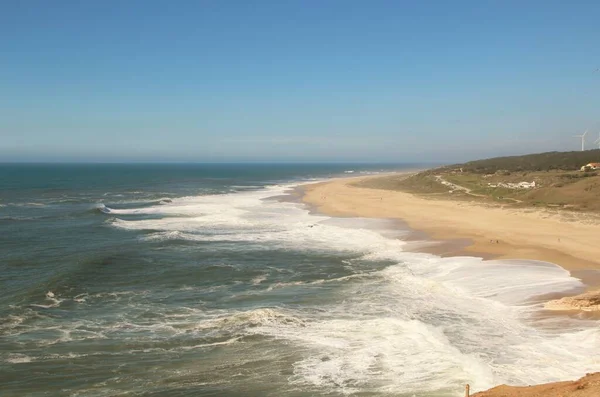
(251, 319)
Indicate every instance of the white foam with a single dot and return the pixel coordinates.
(399, 333)
(31, 204)
(52, 300)
(15, 358)
(205, 345)
(35, 204)
(259, 279)
(244, 321)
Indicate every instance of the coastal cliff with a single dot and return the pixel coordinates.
(588, 386)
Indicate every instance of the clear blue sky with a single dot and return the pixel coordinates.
(295, 80)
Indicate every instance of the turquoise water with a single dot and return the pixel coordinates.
(200, 280)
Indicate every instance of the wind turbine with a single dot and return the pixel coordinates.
(582, 139)
(597, 141)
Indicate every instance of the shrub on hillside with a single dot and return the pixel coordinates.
(566, 161)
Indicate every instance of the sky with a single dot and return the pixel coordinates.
(365, 81)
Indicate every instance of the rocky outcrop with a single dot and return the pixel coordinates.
(588, 386)
(589, 301)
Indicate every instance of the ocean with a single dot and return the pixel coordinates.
(215, 280)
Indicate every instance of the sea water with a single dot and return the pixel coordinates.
(205, 280)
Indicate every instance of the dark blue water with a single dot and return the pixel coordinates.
(199, 280)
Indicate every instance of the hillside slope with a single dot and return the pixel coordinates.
(546, 180)
(588, 386)
(565, 161)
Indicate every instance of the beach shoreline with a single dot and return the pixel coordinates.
(459, 228)
(490, 232)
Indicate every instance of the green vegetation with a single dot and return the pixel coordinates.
(559, 183)
(565, 161)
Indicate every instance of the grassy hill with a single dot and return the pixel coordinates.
(559, 183)
(565, 161)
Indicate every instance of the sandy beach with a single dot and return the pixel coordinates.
(492, 231)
